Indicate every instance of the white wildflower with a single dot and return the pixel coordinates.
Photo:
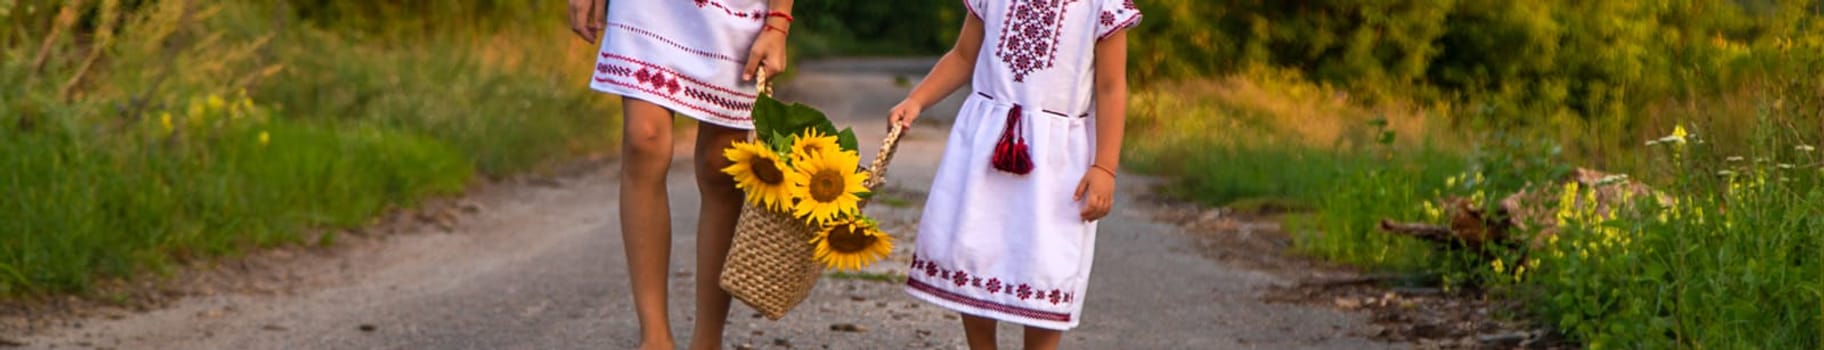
(1733, 159)
(1805, 148)
(1612, 179)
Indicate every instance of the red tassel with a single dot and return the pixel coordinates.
(1011, 154)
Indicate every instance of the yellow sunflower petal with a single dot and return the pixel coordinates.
(813, 142)
(852, 244)
(827, 186)
(761, 174)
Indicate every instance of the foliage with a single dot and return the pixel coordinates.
(825, 28)
(139, 133)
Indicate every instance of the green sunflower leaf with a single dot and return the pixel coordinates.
(770, 115)
(846, 138)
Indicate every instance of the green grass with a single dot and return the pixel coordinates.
(1732, 262)
(1735, 263)
(160, 157)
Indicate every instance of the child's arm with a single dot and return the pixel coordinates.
(768, 50)
(586, 18)
(954, 69)
(1097, 190)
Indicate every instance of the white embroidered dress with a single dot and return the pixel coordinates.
(685, 55)
(1006, 246)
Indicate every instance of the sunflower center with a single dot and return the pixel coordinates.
(826, 186)
(767, 171)
(850, 239)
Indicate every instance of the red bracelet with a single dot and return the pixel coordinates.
(1111, 173)
(782, 14)
(781, 31)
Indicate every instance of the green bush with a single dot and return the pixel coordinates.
(828, 28)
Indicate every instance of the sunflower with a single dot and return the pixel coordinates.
(812, 142)
(759, 171)
(851, 244)
(827, 186)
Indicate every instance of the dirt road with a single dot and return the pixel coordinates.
(538, 265)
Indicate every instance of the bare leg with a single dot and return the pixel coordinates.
(1043, 339)
(979, 331)
(646, 215)
(715, 231)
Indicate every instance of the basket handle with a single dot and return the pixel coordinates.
(877, 171)
(762, 83)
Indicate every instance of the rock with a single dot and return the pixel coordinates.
(1348, 304)
(782, 342)
(857, 298)
(275, 328)
(848, 327)
(4, 342)
(744, 347)
(367, 327)
(471, 207)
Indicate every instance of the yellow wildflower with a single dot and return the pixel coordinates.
(265, 138)
(196, 109)
(165, 120)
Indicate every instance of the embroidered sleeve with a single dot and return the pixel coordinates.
(1116, 15)
(974, 7)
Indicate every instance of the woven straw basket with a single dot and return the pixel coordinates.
(772, 265)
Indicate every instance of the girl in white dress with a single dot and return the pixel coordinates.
(1009, 229)
(695, 58)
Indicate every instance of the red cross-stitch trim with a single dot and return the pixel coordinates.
(1029, 35)
(1124, 24)
(742, 95)
(945, 277)
(753, 15)
(656, 83)
(984, 304)
(669, 97)
(661, 38)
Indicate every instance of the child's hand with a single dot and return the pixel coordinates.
(767, 53)
(903, 114)
(585, 18)
(1097, 192)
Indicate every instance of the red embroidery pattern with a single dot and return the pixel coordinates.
(963, 279)
(753, 15)
(664, 83)
(1124, 24)
(987, 305)
(1029, 35)
(705, 53)
(743, 95)
(1108, 19)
